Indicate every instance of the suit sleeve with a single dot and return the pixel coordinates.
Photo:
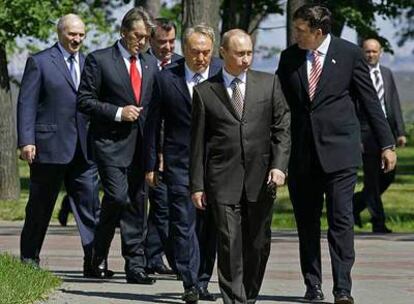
(396, 108)
(280, 129)
(27, 103)
(88, 100)
(368, 99)
(197, 146)
(152, 129)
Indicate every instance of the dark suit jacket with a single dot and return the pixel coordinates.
(332, 114)
(105, 86)
(229, 154)
(172, 102)
(393, 110)
(46, 109)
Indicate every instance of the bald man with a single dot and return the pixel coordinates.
(376, 181)
(52, 139)
(240, 145)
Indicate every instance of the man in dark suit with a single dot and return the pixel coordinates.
(240, 144)
(115, 91)
(377, 181)
(194, 253)
(319, 75)
(52, 139)
(162, 42)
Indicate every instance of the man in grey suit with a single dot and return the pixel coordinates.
(376, 181)
(240, 145)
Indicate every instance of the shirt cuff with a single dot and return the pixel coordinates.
(118, 116)
(392, 147)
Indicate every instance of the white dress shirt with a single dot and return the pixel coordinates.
(322, 50)
(66, 56)
(372, 70)
(189, 74)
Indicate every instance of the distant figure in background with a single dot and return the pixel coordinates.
(162, 42)
(376, 181)
(52, 139)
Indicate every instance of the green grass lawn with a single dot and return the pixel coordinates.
(21, 284)
(398, 201)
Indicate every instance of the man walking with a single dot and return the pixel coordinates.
(240, 144)
(52, 139)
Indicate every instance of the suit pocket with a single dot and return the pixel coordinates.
(43, 128)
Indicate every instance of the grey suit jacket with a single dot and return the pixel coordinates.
(229, 154)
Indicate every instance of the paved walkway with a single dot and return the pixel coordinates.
(383, 273)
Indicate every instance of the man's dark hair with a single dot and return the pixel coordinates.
(133, 15)
(317, 16)
(164, 23)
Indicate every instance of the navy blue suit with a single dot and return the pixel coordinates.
(157, 226)
(117, 147)
(47, 118)
(172, 102)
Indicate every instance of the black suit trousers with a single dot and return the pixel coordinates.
(309, 186)
(81, 183)
(244, 239)
(376, 182)
(124, 201)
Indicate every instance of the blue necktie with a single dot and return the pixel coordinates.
(72, 70)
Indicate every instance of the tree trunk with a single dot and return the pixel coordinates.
(9, 175)
(292, 6)
(202, 11)
(151, 6)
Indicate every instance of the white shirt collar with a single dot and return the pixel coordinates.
(228, 78)
(374, 68)
(189, 74)
(323, 48)
(124, 51)
(66, 54)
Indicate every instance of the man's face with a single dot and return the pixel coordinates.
(238, 54)
(72, 35)
(198, 51)
(135, 39)
(372, 51)
(306, 38)
(163, 43)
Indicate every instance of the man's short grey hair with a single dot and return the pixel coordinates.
(64, 19)
(202, 28)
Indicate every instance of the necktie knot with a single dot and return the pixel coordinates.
(71, 58)
(132, 59)
(163, 63)
(197, 78)
(235, 82)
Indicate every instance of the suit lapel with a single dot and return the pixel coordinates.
(144, 78)
(386, 84)
(250, 93)
(303, 72)
(59, 61)
(180, 83)
(81, 61)
(122, 72)
(220, 90)
(328, 69)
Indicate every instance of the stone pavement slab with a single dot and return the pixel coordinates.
(383, 272)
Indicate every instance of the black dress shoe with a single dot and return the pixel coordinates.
(139, 278)
(343, 297)
(381, 229)
(205, 295)
(314, 293)
(160, 269)
(98, 269)
(190, 295)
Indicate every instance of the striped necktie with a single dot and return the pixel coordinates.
(379, 87)
(315, 74)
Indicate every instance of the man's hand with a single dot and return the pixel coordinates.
(276, 177)
(152, 179)
(388, 160)
(130, 113)
(28, 153)
(198, 199)
(401, 141)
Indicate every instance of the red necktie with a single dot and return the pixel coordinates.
(163, 64)
(135, 78)
(315, 74)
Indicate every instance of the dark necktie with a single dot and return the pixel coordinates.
(196, 78)
(135, 78)
(315, 74)
(237, 96)
(72, 70)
